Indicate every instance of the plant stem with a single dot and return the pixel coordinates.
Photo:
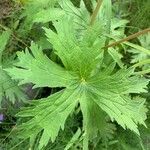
(94, 15)
(128, 38)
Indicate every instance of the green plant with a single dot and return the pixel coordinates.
(77, 57)
(89, 78)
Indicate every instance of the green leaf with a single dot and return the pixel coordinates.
(105, 15)
(141, 55)
(139, 48)
(47, 15)
(38, 69)
(73, 139)
(109, 92)
(118, 27)
(103, 91)
(116, 56)
(94, 119)
(143, 72)
(48, 115)
(142, 62)
(9, 89)
(73, 52)
(32, 10)
(4, 37)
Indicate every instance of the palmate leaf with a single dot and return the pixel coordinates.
(103, 91)
(9, 89)
(98, 91)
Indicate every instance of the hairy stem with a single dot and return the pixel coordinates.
(128, 38)
(94, 15)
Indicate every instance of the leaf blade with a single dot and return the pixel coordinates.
(39, 70)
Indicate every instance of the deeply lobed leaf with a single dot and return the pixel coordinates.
(48, 115)
(98, 88)
(38, 69)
